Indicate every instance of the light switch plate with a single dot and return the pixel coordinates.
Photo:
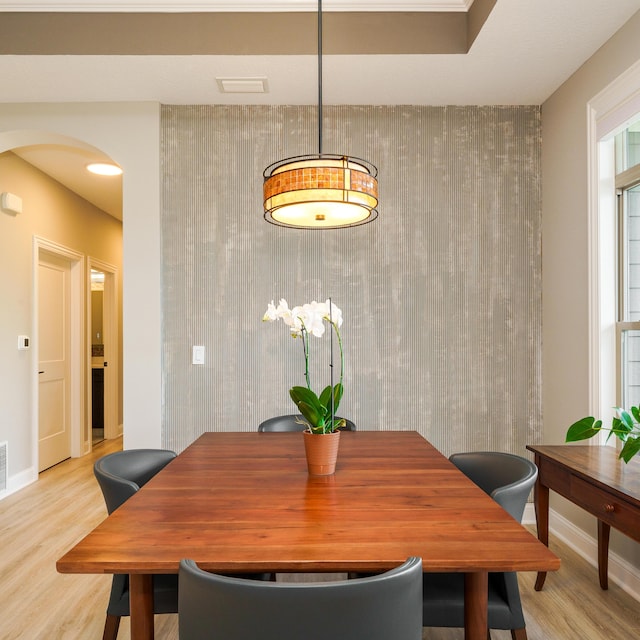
(198, 354)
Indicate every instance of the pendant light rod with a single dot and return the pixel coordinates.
(320, 191)
(333, 409)
(319, 77)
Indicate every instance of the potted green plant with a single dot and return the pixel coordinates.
(318, 411)
(625, 425)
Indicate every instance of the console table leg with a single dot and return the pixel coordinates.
(603, 554)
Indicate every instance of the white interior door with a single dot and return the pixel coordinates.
(54, 359)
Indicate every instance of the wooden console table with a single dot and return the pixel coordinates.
(595, 479)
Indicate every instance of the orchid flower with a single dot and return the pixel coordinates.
(333, 314)
(304, 321)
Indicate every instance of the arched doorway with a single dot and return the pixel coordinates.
(128, 133)
(54, 222)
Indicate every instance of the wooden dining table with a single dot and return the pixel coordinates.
(238, 502)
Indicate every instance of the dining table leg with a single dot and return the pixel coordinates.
(476, 598)
(141, 606)
(541, 504)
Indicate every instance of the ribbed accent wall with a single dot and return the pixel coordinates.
(441, 295)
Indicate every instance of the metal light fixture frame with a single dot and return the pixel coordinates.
(345, 188)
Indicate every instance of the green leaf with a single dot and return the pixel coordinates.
(625, 426)
(338, 390)
(626, 419)
(631, 448)
(325, 397)
(620, 429)
(583, 429)
(317, 411)
(314, 417)
(302, 394)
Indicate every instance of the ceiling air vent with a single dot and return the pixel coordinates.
(243, 85)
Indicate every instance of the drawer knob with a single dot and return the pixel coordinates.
(609, 508)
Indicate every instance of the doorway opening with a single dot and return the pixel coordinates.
(49, 212)
(98, 362)
(102, 350)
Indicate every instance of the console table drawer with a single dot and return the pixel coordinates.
(555, 476)
(605, 507)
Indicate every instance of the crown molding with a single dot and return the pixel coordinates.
(166, 6)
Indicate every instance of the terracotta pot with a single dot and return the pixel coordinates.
(322, 452)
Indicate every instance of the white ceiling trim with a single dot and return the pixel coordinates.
(121, 6)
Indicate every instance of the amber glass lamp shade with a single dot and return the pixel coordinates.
(320, 192)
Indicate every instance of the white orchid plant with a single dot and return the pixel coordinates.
(303, 322)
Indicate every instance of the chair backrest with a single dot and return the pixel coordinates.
(294, 422)
(122, 473)
(506, 477)
(382, 607)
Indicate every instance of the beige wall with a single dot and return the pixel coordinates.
(565, 240)
(52, 212)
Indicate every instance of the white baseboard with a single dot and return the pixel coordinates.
(529, 516)
(19, 481)
(623, 573)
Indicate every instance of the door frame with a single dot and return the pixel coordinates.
(110, 333)
(80, 439)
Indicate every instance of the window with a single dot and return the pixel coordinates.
(627, 152)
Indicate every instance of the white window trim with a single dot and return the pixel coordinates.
(609, 112)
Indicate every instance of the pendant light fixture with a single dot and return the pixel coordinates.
(320, 191)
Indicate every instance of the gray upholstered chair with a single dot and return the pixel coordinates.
(381, 607)
(292, 422)
(120, 475)
(508, 479)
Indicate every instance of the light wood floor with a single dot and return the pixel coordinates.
(40, 523)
